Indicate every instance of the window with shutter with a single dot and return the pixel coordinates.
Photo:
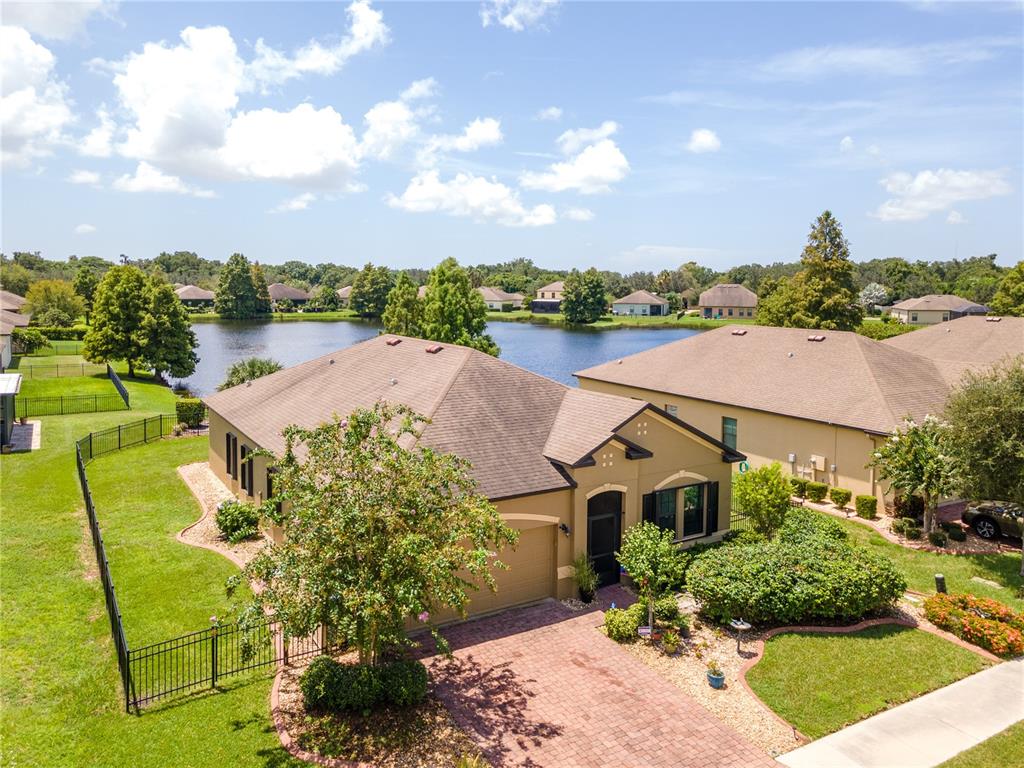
(246, 471)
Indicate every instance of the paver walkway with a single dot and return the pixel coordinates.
(541, 686)
(926, 731)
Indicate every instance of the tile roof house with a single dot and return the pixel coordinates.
(498, 300)
(640, 303)
(194, 296)
(727, 300)
(11, 301)
(815, 401)
(9, 320)
(567, 467)
(280, 292)
(549, 298)
(935, 308)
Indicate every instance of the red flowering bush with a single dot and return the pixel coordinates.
(978, 620)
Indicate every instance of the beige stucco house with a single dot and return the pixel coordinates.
(344, 296)
(549, 298)
(935, 308)
(498, 300)
(570, 469)
(643, 303)
(194, 296)
(281, 292)
(727, 300)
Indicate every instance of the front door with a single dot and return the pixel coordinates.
(604, 534)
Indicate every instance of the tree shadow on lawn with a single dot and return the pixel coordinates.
(491, 704)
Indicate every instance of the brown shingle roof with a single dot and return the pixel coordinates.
(558, 285)
(945, 302)
(965, 343)
(511, 424)
(641, 297)
(11, 301)
(344, 293)
(194, 293)
(728, 295)
(279, 291)
(846, 379)
(10, 320)
(494, 294)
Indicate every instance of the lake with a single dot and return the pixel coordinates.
(551, 351)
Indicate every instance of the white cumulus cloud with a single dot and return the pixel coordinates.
(150, 179)
(84, 177)
(575, 139)
(481, 132)
(846, 144)
(34, 104)
(390, 125)
(579, 214)
(550, 114)
(84, 229)
(516, 15)
(297, 203)
(591, 171)
(914, 197)
(703, 140)
(100, 140)
(955, 217)
(55, 20)
(471, 196)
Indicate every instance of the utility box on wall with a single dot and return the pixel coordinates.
(818, 462)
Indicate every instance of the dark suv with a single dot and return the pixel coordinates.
(992, 518)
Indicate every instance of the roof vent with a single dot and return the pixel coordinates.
(740, 332)
(789, 354)
(433, 349)
(393, 342)
(816, 337)
(393, 381)
(331, 361)
(993, 319)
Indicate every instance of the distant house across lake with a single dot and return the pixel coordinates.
(728, 300)
(345, 296)
(194, 296)
(498, 300)
(935, 308)
(640, 303)
(282, 292)
(549, 298)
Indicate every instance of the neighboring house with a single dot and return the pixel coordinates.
(9, 320)
(194, 296)
(640, 303)
(817, 402)
(280, 292)
(727, 300)
(10, 385)
(935, 308)
(11, 301)
(569, 469)
(549, 298)
(498, 300)
(345, 296)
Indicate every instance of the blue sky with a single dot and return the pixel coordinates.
(623, 135)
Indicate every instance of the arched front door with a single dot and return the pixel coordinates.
(604, 534)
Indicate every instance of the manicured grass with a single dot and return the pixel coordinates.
(59, 684)
(98, 384)
(821, 683)
(1003, 749)
(920, 567)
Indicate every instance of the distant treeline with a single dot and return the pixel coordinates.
(975, 278)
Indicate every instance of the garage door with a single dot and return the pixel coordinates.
(531, 573)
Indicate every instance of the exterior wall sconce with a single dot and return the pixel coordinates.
(564, 528)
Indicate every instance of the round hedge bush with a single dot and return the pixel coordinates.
(329, 685)
(790, 583)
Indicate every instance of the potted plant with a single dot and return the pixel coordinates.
(585, 577)
(716, 677)
(670, 642)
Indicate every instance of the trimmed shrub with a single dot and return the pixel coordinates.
(867, 506)
(28, 341)
(840, 497)
(816, 491)
(329, 685)
(957, 534)
(938, 538)
(742, 536)
(807, 526)
(899, 525)
(799, 486)
(404, 682)
(978, 620)
(622, 624)
(56, 333)
(237, 521)
(912, 531)
(317, 683)
(190, 411)
(908, 506)
(666, 609)
(783, 583)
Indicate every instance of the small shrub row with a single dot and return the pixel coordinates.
(908, 506)
(799, 486)
(237, 520)
(938, 538)
(816, 491)
(981, 621)
(805, 525)
(957, 534)
(840, 497)
(329, 685)
(867, 507)
(190, 411)
(58, 333)
(622, 624)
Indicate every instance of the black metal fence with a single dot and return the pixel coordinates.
(59, 370)
(739, 522)
(64, 405)
(112, 375)
(193, 661)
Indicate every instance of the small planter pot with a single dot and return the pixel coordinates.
(587, 596)
(716, 681)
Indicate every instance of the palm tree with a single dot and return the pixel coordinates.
(249, 369)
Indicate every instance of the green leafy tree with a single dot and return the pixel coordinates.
(236, 297)
(1009, 298)
(453, 311)
(915, 460)
(404, 311)
(14, 277)
(29, 340)
(986, 433)
(248, 370)
(763, 495)
(169, 343)
(326, 299)
(119, 308)
(263, 305)
(374, 533)
(47, 296)
(85, 286)
(583, 300)
(872, 295)
(370, 290)
(652, 560)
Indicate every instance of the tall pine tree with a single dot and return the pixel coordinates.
(404, 311)
(236, 294)
(169, 341)
(370, 290)
(454, 311)
(263, 304)
(583, 300)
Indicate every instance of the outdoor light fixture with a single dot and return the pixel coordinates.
(564, 528)
(740, 626)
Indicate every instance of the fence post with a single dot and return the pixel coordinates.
(118, 437)
(213, 651)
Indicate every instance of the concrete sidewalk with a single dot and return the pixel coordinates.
(926, 731)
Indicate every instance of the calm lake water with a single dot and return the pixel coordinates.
(551, 351)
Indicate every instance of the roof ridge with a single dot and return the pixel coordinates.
(862, 343)
(443, 395)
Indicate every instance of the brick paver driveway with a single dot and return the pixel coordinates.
(541, 686)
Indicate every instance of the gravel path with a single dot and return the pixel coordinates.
(209, 492)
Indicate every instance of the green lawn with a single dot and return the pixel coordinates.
(61, 702)
(921, 567)
(97, 384)
(1003, 749)
(821, 683)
